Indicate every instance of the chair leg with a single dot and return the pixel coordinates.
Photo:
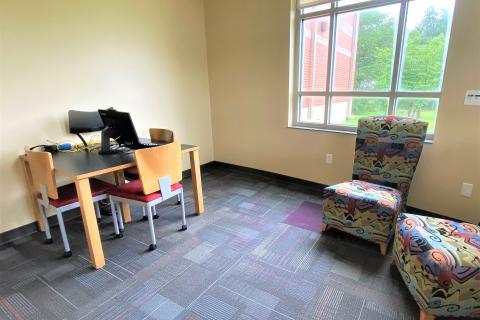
(153, 246)
(184, 220)
(179, 200)
(48, 235)
(155, 215)
(144, 218)
(383, 248)
(120, 218)
(425, 316)
(97, 211)
(63, 232)
(115, 220)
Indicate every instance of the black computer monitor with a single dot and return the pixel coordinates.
(84, 121)
(119, 126)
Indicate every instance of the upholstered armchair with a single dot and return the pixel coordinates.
(386, 155)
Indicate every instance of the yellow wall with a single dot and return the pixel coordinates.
(248, 59)
(147, 57)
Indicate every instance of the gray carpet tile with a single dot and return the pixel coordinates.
(236, 261)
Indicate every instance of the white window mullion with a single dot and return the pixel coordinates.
(299, 86)
(397, 57)
(330, 66)
(417, 94)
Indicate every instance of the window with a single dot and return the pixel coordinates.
(369, 57)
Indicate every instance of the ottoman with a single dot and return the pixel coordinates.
(439, 261)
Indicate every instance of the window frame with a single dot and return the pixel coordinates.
(392, 94)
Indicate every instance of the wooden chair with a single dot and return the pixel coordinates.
(161, 135)
(160, 170)
(62, 198)
(156, 135)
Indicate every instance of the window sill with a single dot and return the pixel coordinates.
(427, 141)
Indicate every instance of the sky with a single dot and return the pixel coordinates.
(417, 9)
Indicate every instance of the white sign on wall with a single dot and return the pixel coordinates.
(472, 98)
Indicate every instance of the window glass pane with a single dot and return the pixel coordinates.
(316, 8)
(311, 3)
(347, 110)
(419, 108)
(315, 54)
(342, 3)
(312, 109)
(427, 33)
(364, 49)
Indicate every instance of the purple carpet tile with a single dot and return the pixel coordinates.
(308, 216)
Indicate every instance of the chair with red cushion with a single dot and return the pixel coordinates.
(62, 198)
(160, 175)
(131, 173)
(157, 135)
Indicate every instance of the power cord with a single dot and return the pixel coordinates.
(93, 143)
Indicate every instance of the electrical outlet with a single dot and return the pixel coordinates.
(467, 189)
(329, 158)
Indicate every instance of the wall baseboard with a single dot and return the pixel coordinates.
(269, 174)
(310, 184)
(30, 228)
(206, 167)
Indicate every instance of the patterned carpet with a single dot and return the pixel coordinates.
(237, 261)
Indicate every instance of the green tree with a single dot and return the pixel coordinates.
(374, 51)
(422, 66)
(434, 23)
(422, 60)
(374, 58)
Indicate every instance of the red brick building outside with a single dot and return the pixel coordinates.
(314, 69)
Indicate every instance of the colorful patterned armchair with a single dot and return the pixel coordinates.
(386, 154)
(439, 261)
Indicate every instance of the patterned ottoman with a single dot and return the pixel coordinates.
(364, 209)
(439, 261)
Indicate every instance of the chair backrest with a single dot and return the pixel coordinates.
(42, 170)
(387, 150)
(159, 162)
(161, 135)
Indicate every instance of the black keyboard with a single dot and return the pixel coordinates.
(142, 145)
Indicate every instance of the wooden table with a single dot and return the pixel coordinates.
(80, 166)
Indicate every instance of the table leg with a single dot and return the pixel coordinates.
(32, 195)
(89, 217)
(196, 181)
(120, 179)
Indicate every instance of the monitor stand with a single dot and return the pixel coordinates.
(106, 135)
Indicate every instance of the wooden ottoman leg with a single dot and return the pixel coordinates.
(425, 316)
(383, 248)
(324, 227)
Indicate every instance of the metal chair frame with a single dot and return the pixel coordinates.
(44, 205)
(148, 207)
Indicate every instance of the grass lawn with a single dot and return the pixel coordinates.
(428, 116)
